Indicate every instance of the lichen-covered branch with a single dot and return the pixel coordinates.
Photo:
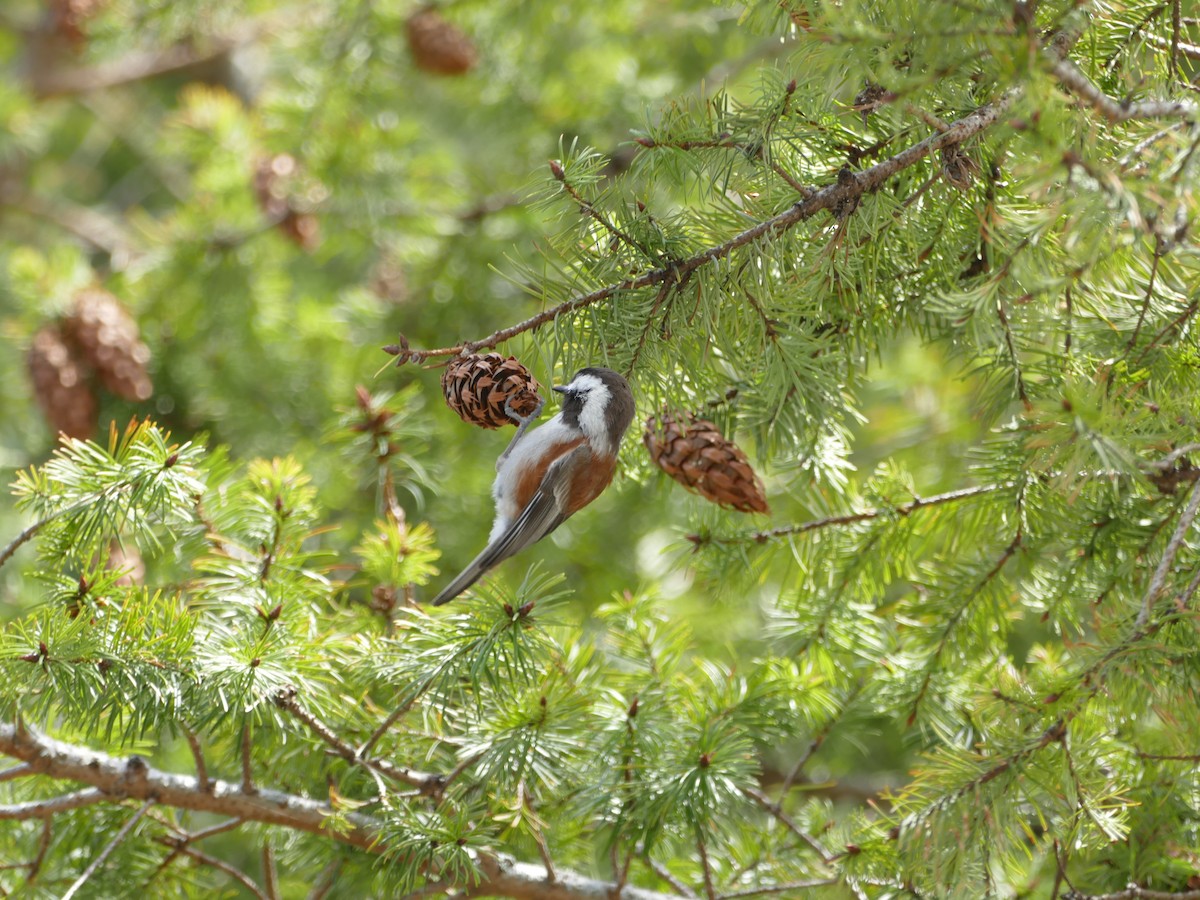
(115, 779)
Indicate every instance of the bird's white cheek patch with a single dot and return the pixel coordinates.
(592, 418)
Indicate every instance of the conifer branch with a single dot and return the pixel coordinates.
(15, 543)
(198, 757)
(270, 874)
(108, 849)
(1073, 80)
(221, 866)
(1133, 892)
(1158, 580)
(956, 617)
(710, 890)
(113, 779)
(904, 509)
(780, 888)
(589, 209)
(18, 771)
(325, 880)
(776, 810)
(843, 194)
(666, 875)
(40, 809)
(427, 782)
(247, 773)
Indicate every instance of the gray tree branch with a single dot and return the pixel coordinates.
(115, 779)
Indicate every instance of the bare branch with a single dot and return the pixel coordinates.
(20, 539)
(325, 880)
(428, 782)
(18, 771)
(1072, 78)
(1133, 892)
(40, 809)
(134, 779)
(270, 875)
(1158, 581)
(221, 866)
(198, 756)
(247, 775)
(781, 888)
(54, 81)
(108, 849)
(710, 890)
(665, 874)
(760, 537)
(776, 810)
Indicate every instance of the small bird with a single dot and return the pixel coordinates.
(555, 471)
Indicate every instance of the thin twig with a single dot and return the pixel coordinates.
(709, 890)
(1072, 78)
(665, 874)
(590, 210)
(904, 509)
(526, 801)
(21, 538)
(839, 195)
(198, 756)
(393, 717)
(325, 880)
(1133, 892)
(776, 810)
(781, 888)
(501, 874)
(221, 866)
(428, 782)
(247, 775)
(270, 875)
(35, 866)
(40, 809)
(108, 849)
(18, 771)
(1159, 580)
(952, 622)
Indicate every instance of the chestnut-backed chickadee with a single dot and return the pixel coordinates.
(555, 471)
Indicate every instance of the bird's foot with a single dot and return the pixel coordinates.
(523, 423)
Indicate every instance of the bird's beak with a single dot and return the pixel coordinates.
(560, 388)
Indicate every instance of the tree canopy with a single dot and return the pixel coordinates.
(914, 284)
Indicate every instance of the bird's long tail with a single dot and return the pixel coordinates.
(467, 577)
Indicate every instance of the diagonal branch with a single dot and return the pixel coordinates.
(40, 809)
(904, 509)
(1071, 77)
(428, 782)
(842, 194)
(133, 778)
(108, 849)
(1158, 581)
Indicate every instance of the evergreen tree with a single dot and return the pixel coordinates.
(920, 277)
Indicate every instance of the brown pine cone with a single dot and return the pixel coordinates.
(477, 386)
(108, 337)
(437, 46)
(60, 385)
(699, 457)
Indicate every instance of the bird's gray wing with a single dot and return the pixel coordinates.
(545, 511)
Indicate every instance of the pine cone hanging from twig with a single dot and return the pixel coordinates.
(108, 337)
(438, 46)
(699, 457)
(477, 386)
(60, 385)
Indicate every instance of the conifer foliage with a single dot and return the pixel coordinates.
(915, 284)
